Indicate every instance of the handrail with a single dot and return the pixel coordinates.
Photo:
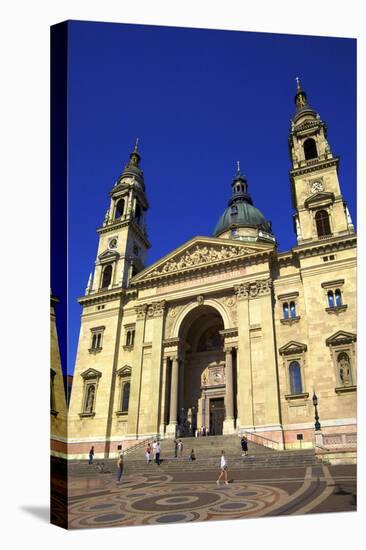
(254, 435)
(140, 443)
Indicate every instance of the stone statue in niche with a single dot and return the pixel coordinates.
(90, 399)
(344, 369)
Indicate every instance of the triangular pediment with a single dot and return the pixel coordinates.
(292, 348)
(320, 197)
(108, 255)
(91, 374)
(200, 252)
(341, 337)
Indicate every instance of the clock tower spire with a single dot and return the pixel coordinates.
(123, 241)
(320, 210)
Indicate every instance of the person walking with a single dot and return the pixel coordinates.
(244, 446)
(119, 468)
(157, 453)
(154, 449)
(192, 456)
(91, 455)
(223, 469)
(175, 448)
(148, 453)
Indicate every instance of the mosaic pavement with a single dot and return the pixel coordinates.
(153, 498)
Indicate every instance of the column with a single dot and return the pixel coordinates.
(229, 399)
(229, 426)
(245, 420)
(164, 390)
(181, 385)
(171, 428)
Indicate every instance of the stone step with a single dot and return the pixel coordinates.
(204, 446)
(278, 460)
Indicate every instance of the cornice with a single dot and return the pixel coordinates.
(318, 165)
(108, 296)
(115, 225)
(325, 246)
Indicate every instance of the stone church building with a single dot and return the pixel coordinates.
(225, 331)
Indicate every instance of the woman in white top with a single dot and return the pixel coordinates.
(223, 469)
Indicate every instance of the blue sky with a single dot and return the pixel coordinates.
(199, 100)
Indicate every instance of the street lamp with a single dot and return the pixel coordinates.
(315, 403)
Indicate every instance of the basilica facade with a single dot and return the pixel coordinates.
(224, 332)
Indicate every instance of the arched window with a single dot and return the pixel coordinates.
(99, 340)
(285, 311)
(344, 368)
(292, 310)
(132, 337)
(295, 377)
(128, 338)
(125, 396)
(94, 341)
(107, 276)
(120, 207)
(330, 298)
(234, 210)
(338, 297)
(138, 213)
(322, 223)
(310, 149)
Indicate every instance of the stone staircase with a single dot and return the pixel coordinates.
(207, 451)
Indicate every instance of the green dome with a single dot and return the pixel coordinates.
(242, 214)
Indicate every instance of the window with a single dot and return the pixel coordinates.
(334, 296)
(120, 208)
(338, 297)
(107, 276)
(130, 337)
(310, 150)
(322, 223)
(96, 339)
(125, 397)
(124, 375)
(295, 377)
(292, 310)
(234, 210)
(91, 379)
(289, 304)
(294, 363)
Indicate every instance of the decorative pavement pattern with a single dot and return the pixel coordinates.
(153, 498)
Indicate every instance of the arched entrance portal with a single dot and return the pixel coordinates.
(205, 375)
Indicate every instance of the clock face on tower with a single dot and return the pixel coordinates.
(317, 186)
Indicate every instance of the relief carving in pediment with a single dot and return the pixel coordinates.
(200, 255)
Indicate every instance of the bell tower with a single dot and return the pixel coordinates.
(320, 210)
(123, 241)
